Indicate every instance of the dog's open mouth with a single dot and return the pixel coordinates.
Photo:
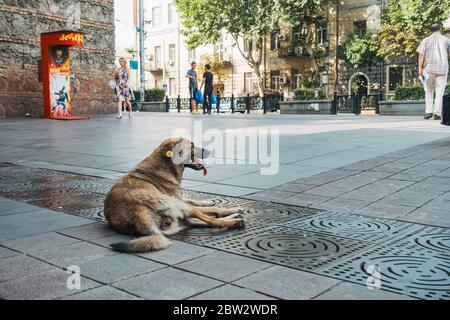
(198, 164)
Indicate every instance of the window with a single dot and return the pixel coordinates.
(170, 13)
(156, 17)
(172, 87)
(158, 57)
(248, 44)
(172, 54)
(296, 79)
(192, 55)
(275, 40)
(322, 33)
(248, 81)
(275, 79)
(360, 27)
(395, 77)
(219, 49)
(297, 36)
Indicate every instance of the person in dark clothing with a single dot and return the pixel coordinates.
(208, 78)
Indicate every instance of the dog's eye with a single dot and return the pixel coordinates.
(166, 222)
(181, 153)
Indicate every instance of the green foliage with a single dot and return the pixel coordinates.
(403, 93)
(416, 92)
(156, 95)
(204, 21)
(406, 23)
(309, 94)
(362, 50)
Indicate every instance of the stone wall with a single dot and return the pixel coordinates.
(92, 65)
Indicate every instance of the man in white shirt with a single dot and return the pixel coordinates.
(433, 68)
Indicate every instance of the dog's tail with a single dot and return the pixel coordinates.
(152, 242)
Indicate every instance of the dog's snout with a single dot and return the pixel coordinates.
(201, 153)
(205, 153)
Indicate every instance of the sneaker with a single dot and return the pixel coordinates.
(436, 117)
(119, 116)
(428, 116)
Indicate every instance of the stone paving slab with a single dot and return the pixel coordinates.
(286, 283)
(20, 266)
(223, 266)
(8, 206)
(5, 253)
(35, 222)
(113, 268)
(72, 254)
(231, 293)
(177, 252)
(350, 291)
(102, 293)
(89, 232)
(45, 285)
(168, 283)
(38, 242)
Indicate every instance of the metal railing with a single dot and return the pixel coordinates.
(232, 104)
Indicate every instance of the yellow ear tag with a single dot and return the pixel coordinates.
(169, 154)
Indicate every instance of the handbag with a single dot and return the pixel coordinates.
(199, 97)
(213, 99)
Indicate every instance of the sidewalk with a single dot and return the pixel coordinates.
(344, 200)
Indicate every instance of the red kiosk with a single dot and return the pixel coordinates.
(55, 73)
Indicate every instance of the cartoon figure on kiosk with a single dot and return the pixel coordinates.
(60, 105)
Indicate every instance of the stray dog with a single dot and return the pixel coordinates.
(147, 202)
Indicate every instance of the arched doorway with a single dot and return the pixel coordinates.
(359, 83)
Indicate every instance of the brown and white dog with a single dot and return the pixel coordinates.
(147, 202)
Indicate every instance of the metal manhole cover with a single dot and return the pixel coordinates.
(73, 204)
(29, 195)
(352, 226)
(409, 272)
(257, 216)
(291, 247)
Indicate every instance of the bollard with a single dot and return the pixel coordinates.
(247, 103)
(179, 104)
(167, 104)
(232, 103)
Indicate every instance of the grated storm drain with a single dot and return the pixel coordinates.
(416, 264)
(351, 226)
(412, 259)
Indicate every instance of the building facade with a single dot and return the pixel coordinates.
(92, 65)
(286, 64)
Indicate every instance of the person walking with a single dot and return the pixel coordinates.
(123, 91)
(433, 69)
(193, 85)
(207, 80)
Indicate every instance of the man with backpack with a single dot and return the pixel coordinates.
(208, 78)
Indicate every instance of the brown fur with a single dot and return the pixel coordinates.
(147, 202)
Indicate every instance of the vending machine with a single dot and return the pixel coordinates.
(54, 73)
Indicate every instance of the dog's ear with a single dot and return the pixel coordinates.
(166, 151)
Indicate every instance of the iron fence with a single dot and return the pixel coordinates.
(232, 104)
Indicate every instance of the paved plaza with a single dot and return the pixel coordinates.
(351, 192)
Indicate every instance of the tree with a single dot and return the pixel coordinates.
(204, 21)
(217, 67)
(362, 50)
(406, 23)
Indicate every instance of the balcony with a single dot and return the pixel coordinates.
(156, 68)
(291, 51)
